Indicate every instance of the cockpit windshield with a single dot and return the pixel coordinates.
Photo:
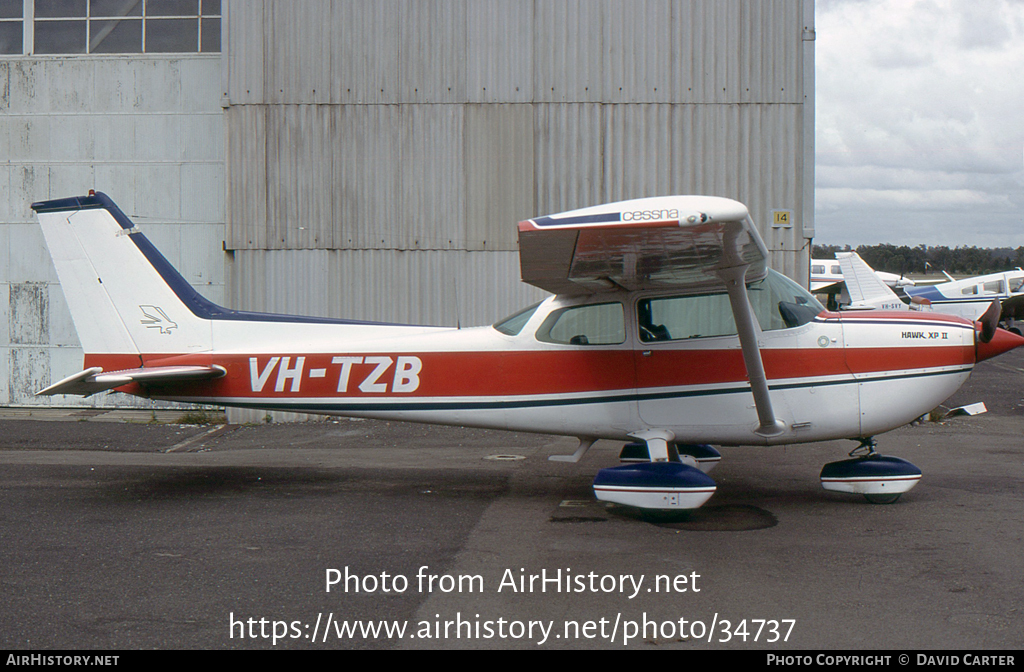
(513, 324)
(780, 303)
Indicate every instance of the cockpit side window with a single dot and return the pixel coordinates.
(778, 302)
(597, 324)
(674, 318)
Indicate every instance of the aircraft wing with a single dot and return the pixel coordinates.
(1013, 308)
(650, 243)
(93, 380)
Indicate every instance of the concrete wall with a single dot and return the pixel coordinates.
(148, 131)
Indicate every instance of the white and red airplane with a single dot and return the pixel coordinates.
(666, 329)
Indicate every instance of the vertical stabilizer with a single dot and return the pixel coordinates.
(124, 297)
(863, 286)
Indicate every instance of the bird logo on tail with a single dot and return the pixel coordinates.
(156, 318)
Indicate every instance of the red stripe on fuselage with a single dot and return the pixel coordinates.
(113, 362)
(873, 360)
(524, 373)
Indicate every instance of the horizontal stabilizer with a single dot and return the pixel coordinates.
(93, 380)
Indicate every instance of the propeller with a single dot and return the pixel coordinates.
(990, 321)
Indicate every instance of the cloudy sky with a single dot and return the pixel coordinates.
(920, 122)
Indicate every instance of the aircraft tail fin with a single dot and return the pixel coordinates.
(125, 297)
(863, 287)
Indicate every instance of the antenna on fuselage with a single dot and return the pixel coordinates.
(458, 309)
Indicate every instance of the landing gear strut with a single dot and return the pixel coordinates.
(866, 448)
(880, 478)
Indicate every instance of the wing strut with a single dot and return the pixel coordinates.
(734, 275)
(748, 329)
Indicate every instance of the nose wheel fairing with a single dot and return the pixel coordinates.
(880, 478)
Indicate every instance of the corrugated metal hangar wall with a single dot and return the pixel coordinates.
(379, 153)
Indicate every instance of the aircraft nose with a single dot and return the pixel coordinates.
(1001, 341)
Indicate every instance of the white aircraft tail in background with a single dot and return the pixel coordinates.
(969, 298)
(826, 274)
(864, 288)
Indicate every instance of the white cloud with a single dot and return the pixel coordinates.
(919, 121)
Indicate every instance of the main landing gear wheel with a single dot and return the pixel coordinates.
(883, 499)
(880, 478)
(678, 481)
(660, 486)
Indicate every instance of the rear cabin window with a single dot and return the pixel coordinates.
(598, 324)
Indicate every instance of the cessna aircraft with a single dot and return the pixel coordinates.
(968, 298)
(666, 329)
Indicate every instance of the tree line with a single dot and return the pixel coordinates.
(926, 259)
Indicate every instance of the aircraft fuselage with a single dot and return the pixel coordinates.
(837, 376)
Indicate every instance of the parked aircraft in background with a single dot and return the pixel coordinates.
(666, 329)
(826, 273)
(968, 298)
(863, 287)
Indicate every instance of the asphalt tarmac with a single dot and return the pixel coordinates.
(139, 535)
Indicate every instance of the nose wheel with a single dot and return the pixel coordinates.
(882, 479)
